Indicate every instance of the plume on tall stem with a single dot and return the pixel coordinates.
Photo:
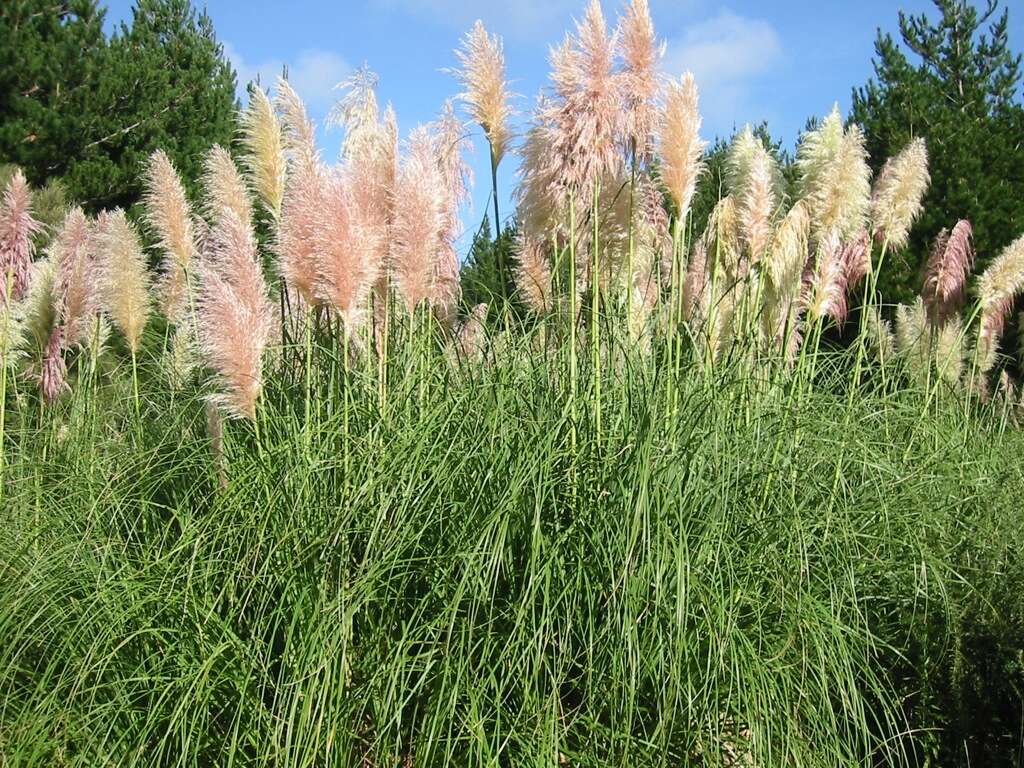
(77, 284)
(533, 274)
(998, 286)
(357, 111)
(225, 186)
(899, 190)
(125, 281)
(681, 148)
(346, 254)
(53, 368)
(264, 158)
(451, 142)
(950, 261)
(826, 281)
(17, 230)
(641, 55)
(419, 220)
(835, 178)
(170, 216)
(236, 318)
(784, 266)
(753, 179)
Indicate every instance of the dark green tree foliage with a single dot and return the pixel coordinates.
(51, 58)
(481, 278)
(962, 94)
(91, 110)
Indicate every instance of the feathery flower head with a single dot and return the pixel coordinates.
(913, 342)
(949, 352)
(124, 280)
(788, 253)
(1000, 284)
(835, 177)
(754, 178)
(537, 195)
(17, 228)
(879, 336)
(826, 281)
(951, 260)
(12, 333)
(77, 285)
(641, 55)
(681, 147)
(264, 157)
(169, 214)
(856, 258)
(419, 219)
(899, 190)
(298, 132)
(225, 186)
(235, 316)
(483, 76)
(533, 274)
(472, 334)
(695, 290)
(345, 253)
(722, 240)
(586, 116)
(38, 310)
(53, 371)
(298, 231)
(356, 112)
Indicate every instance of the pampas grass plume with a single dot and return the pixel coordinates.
(899, 190)
(419, 219)
(169, 214)
(641, 55)
(77, 288)
(264, 157)
(125, 281)
(533, 274)
(681, 147)
(225, 186)
(17, 229)
(951, 260)
(486, 93)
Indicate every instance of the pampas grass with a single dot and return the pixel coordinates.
(169, 214)
(225, 187)
(357, 111)
(533, 274)
(235, 315)
(125, 280)
(17, 230)
(1000, 283)
(77, 284)
(899, 190)
(835, 178)
(486, 94)
(641, 55)
(913, 341)
(419, 220)
(264, 158)
(680, 147)
(951, 260)
(753, 178)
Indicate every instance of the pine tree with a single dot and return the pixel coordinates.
(963, 96)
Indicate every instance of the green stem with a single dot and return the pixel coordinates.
(595, 328)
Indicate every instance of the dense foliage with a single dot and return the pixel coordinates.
(958, 84)
(89, 110)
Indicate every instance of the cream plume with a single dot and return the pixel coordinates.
(696, 297)
(125, 282)
(17, 228)
(77, 285)
(225, 186)
(899, 190)
(913, 341)
(641, 55)
(722, 240)
(879, 335)
(38, 310)
(264, 158)
(235, 315)
(753, 178)
(357, 111)
(681, 147)
(536, 194)
(12, 333)
(345, 254)
(949, 352)
(169, 214)
(451, 141)
(835, 177)
(999, 285)
(784, 268)
(533, 274)
(951, 260)
(419, 219)
(486, 90)
(298, 131)
(826, 282)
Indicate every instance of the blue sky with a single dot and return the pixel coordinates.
(780, 61)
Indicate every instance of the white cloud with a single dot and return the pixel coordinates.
(727, 54)
(313, 73)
